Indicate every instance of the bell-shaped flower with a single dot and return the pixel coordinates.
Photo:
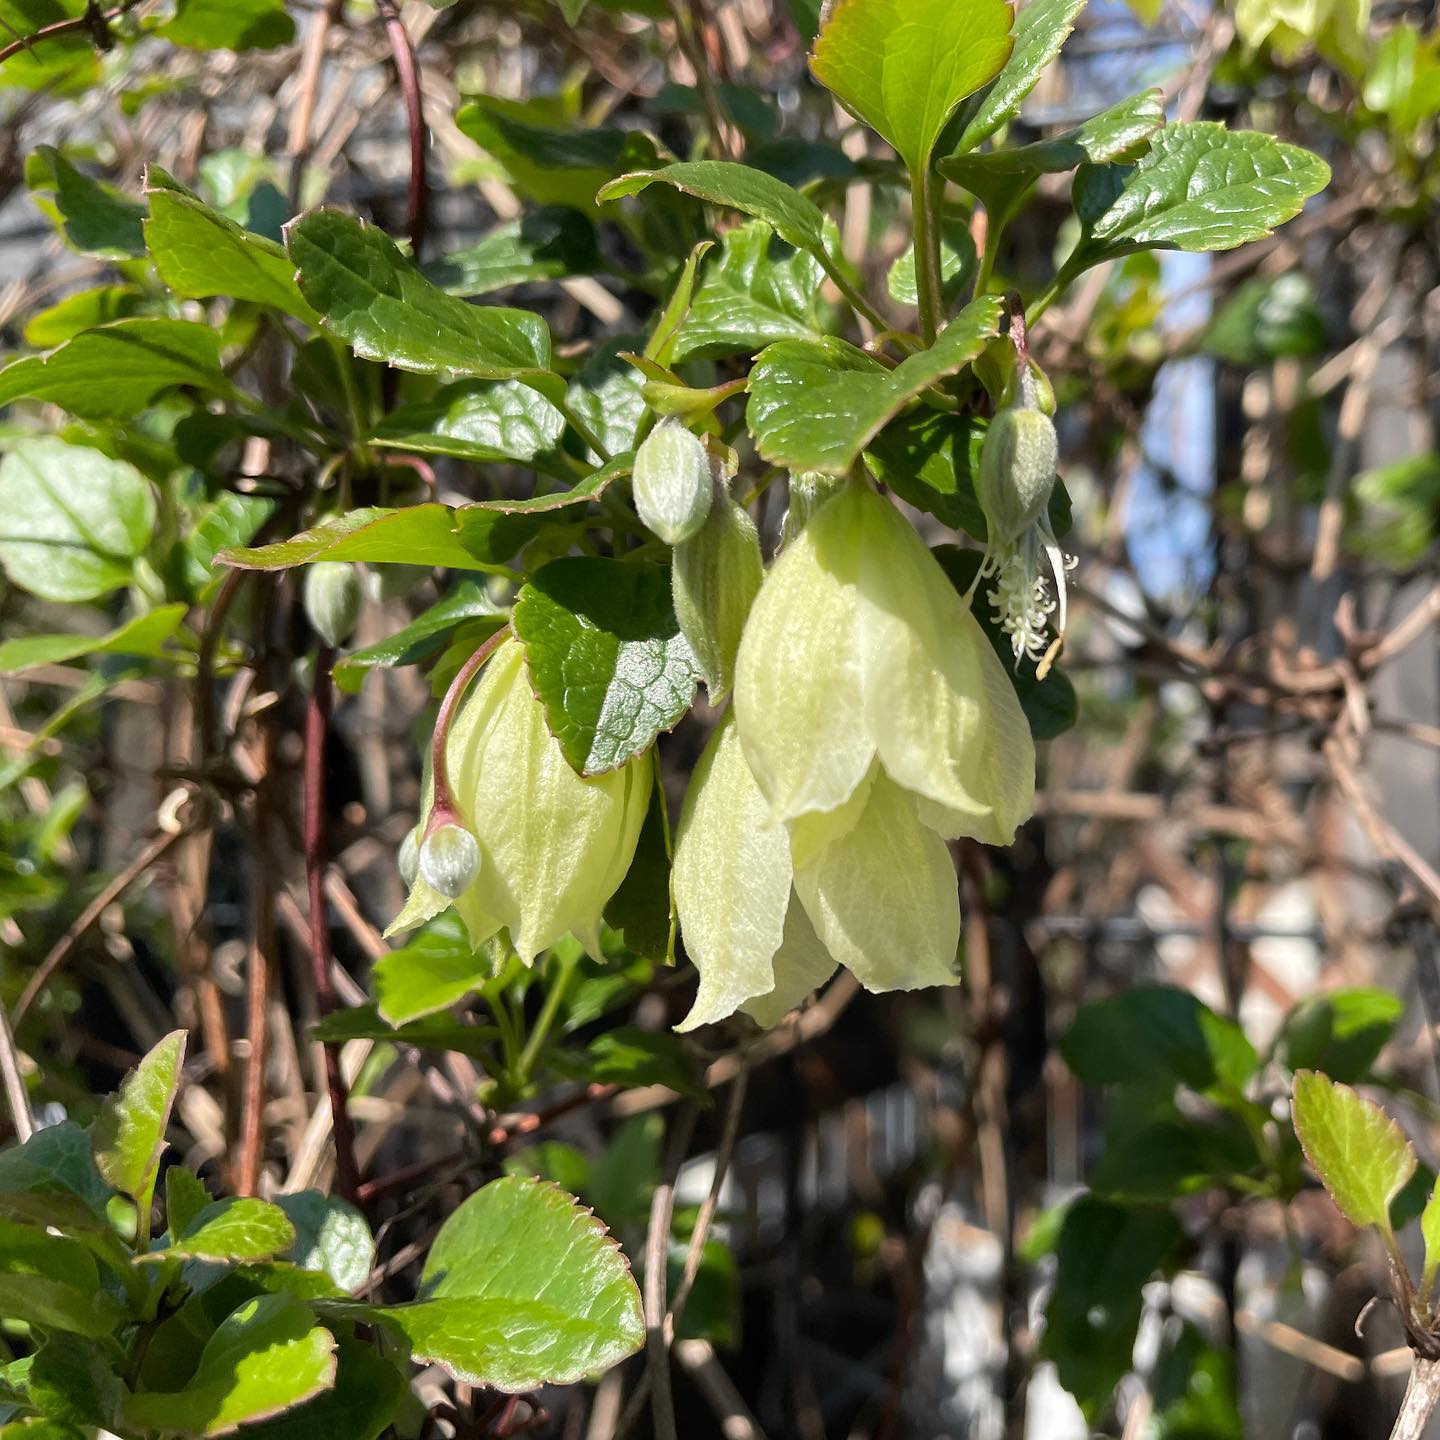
(553, 846)
(860, 655)
(764, 930)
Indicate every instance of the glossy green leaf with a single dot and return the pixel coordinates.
(758, 290)
(546, 244)
(607, 395)
(199, 253)
(437, 968)
(1041, 27)
(664, 332)
(632, 1058)
(265, 1357)
(73, 1380)
(1203, 187)
(72, 520)
(476, 420)
(1172, 1157)
(556, 1309)
(331, 1236)
(236, 1228)
(229, 25)
(416, 535)
(605, 656)
(51, 1180)
(115, 371)
(1157, 1035)
(903, 66)
(423, 638)
(83, 310)
(365, 1398)
(957, 265)
(52, 1282)
(94, 218)
(928, 458)
(815, 405)
(1360, 1154)
(129, 1136)
(185, 1197)
(795, 219)
(641, 908)
(373, 297)
(143, 636)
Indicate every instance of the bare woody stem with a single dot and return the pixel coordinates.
(417, 203)
(1421, 1394)
(317, 729)
(442, 810)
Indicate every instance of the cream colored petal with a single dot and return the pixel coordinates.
(731, 881)
(884, 899)
(810, 834)
(802, 964)
(946, 719)
(421, 905)
(551, 843)
(799, 701)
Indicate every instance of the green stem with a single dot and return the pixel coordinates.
(582, 429)
(1047, 298)
(669, 845)
(927, 253)
(544, 1022)
(856, 301)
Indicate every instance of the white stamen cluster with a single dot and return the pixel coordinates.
(1020, 598)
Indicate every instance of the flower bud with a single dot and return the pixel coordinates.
(450, 860)
(1017, 472)
(714, 578)
(672, 483)
(384, 583)
(809, 490)
(409, 858)
(332, 596)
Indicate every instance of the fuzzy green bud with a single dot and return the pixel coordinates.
(672, 483)
(409, 858)
(450, 860)
(1017, 472)
(714, 578)
(332, 595)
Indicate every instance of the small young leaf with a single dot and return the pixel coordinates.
(83, 310)
(558, 1308)
(143, 636)
(375, 299)
(331, 1236)
(229, 25)
(632, 1058)
(437, 968)
(1430, 1232)
(1340, 1033)
(606, 657)
(416, 535)
(185, 1197)
(236, 1228)
(265, 1357)
(424, 637)
(1360, 1154)
(364, 1399)
(96, 219)
(73, 520)
(902, 66)
(129, 1136)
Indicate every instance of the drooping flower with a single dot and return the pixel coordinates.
(859, 650)
(553, 846)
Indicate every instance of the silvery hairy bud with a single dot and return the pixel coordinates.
(1017, 472)
(809, 490)
(672, 482)
(450, 860)
(332, 596)
(714, 578)
(409, 858)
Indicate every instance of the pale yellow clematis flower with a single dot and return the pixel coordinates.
(553, 846)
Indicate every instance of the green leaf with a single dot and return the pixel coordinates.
(1398, 512)
(72, 1380)
(52, 1282)
(422, 638)
(664, 332)
(815, 405)
(437, 968)
(1041, 27)
(143, 636)
(265, 1357)
(1203, 187)
(129, 1136)
(40, 1428)
(1267, 320)
(1168, 1158)
(229, 25)
(83, 310)
(796, 220)
(556, 1309)
(331, 1236)
(759, 290)
(185, 1197)
(94, 218)
(375, 299)
(548, 164)
(606, 657)
(546, 244)
(1157, 1035)
(1106, 1254)
(1430, 1233)
(641, 908)
(957, 264)
(417, 535)
(902, 66)
(929, 459)
(632, 1058)
(115, 371)
(435, 1032)
(236, 1228)
(1194, 1389)
(1341, 1033)
(72, 520)
(51, 1179)
(607, 395)
(1360, 1154)
(364, 1399)
(475, 420)
(199, 252)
